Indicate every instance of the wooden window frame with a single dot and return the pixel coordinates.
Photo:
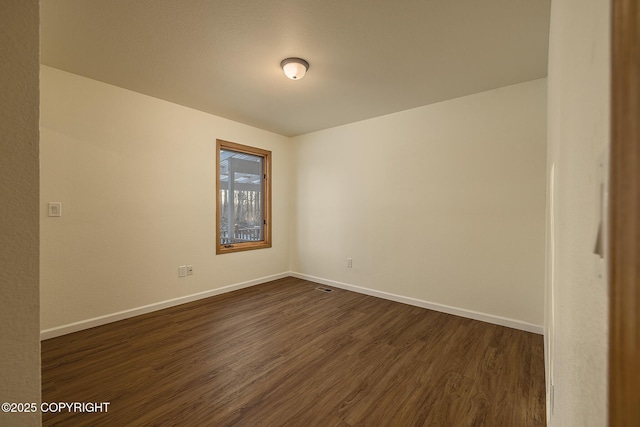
(266, 155)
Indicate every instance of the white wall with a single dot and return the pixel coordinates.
(443, 203)
(19, 317)
(578, 125)
(136, 178)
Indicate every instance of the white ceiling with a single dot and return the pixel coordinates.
(368, 57)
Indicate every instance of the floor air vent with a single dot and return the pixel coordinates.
(320, 288)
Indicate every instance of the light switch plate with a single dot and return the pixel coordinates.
(55, 209)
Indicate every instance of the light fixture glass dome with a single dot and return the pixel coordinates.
(294, 68)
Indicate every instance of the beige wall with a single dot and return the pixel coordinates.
(578, 123)
(443, 203)
(19, 317)
(136, 178)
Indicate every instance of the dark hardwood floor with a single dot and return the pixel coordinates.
(286, 354)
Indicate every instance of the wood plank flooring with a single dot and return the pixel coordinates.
(286, 354)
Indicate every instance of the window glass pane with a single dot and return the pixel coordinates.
(241, 197)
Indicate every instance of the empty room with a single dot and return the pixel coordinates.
(336, 213)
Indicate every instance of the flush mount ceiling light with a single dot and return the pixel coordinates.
(294, 68)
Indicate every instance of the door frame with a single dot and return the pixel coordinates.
(624, 216)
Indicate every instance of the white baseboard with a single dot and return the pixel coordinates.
(470, 314)
(125, 314)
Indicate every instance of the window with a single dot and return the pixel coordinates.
(243, 220)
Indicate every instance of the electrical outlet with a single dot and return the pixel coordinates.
(349, 262)
(182, 271)
(189, 270)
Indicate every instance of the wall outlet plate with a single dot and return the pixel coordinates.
(182, 271)
(189, 270)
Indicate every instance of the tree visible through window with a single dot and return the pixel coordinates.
(243, 197)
